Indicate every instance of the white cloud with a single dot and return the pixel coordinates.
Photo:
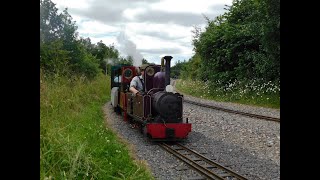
(71, 4)
(192, 6)
(94, 27)
(130, 13)
(154, 26)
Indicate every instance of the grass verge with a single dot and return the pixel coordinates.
(250, 93)
(74, 140)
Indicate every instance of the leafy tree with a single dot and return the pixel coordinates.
(54, 58)
(243, 43)
(191, 69)
(51, 25)
(144, 61)
(60, 49)
(128, 60)
(177, 69)
(86, 42)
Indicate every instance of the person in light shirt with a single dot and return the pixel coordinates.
(117, 80)
(137, 83)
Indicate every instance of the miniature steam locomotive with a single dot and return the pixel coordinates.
(157, 110)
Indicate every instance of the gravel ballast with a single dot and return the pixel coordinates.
(246, 145)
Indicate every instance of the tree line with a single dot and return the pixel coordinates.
(63, 52)
(241, 44)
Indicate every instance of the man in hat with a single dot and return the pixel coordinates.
(137, 83)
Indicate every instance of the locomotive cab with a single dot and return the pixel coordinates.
(121, 76)
(115, 84)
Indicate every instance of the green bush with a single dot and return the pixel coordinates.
(243, 43)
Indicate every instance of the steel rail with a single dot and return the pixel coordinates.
(209, 161)
(200, 168)
(234, 111)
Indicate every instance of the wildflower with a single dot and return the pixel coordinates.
(48, 178)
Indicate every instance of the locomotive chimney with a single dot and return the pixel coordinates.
(167, 75)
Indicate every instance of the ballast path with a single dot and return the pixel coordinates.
(204, 166)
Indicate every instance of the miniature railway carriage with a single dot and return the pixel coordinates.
(157, 110)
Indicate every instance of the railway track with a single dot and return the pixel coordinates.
(204, 166)
(235, 112)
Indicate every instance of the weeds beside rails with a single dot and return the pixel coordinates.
(251, 93)
(74, 141)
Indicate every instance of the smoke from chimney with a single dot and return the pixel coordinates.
(129, 48)
(110, 61)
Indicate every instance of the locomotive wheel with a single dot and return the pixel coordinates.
(130, 119)
(143, 130)
(117, 110)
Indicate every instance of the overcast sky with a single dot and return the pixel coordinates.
(143, 28)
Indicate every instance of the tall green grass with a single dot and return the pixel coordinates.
(255, 92)
(74, 140)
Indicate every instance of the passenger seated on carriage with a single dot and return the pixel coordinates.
(117, 79)
(137, 83)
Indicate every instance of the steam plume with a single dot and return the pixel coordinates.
(129, 48)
